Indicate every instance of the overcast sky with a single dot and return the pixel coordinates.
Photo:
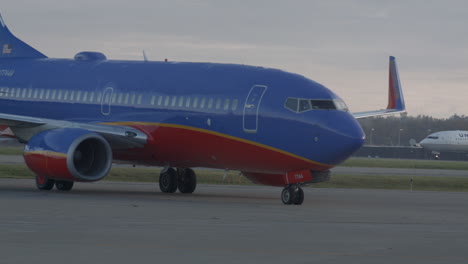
(342, 44)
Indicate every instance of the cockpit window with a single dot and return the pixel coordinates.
(302, 105)
(291, 104)
(433, 137)
(340, 105)
(323, 104)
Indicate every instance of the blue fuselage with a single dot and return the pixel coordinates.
(241, 102)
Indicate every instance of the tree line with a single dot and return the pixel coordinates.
(398, 131)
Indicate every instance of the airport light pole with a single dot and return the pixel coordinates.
(399, 136)
(371, 134)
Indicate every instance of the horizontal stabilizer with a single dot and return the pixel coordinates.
(12, 47)
(396, 102)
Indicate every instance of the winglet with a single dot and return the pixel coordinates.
(396, 102)
(395, 94)
(12, 47)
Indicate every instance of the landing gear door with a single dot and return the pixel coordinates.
(251, 108)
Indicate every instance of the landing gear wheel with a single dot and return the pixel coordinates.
(168, 181)
(64, 185)
(287, 195)
(186, 180)
(44, 184)
(299, 196)
(292, 194)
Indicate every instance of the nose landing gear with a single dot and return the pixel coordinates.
(292, 194)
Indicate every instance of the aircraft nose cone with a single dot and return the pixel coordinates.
(353, 138)
(423, 143)
(346, 138)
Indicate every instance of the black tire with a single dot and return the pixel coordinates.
(299, 196)
(187, 181)
(168, 181)
(64, 185)
(287, 195)
(44, 184)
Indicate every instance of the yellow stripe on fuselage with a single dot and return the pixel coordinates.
(219, 135)
(46, 153)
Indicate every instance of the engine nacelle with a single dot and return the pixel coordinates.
(69, 154)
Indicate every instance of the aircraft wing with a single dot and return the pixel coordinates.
(25, 127)
(396, 102)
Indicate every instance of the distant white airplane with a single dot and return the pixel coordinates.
(449, 141)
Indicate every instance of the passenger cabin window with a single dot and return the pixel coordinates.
(433, 137)
(181, 101)
(202, 103)
(235, 102)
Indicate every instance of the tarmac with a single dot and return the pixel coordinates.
(113, 222)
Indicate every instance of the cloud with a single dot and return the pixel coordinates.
(343, 44)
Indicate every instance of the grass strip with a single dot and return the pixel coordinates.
(11, 151)
(393, 182)
(406, 164)
(420, 183)
(352, 162)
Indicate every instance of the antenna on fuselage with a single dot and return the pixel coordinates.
(144, 56)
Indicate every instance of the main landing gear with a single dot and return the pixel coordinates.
(292, 194)
(45, 184)
(183, 179)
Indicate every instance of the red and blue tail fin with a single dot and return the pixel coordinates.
(12, 47)
(395, 95)
(396, 102)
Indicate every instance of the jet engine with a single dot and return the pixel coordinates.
(71, 154)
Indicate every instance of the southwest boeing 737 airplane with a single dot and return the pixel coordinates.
(78, 116)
